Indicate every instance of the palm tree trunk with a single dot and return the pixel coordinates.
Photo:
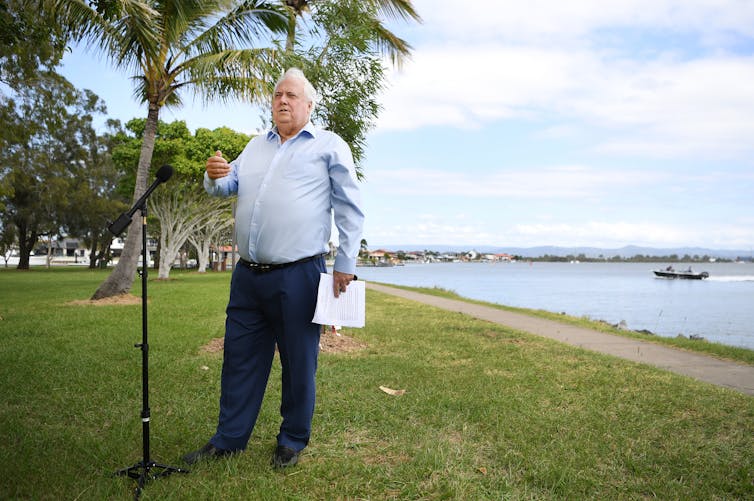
(122, 277)
(290, 38)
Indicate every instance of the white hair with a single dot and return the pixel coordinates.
(309, 91)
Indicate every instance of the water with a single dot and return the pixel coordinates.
(719, 309)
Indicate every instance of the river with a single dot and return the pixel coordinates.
(719, 309)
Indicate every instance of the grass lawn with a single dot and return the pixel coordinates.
(487, 413)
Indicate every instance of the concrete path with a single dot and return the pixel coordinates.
(736, 376)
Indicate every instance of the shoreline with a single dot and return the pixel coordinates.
(732, 375)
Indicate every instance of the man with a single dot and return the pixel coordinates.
(288, 182)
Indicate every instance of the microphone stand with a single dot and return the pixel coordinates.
(146, 469)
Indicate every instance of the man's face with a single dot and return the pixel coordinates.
(290, 107)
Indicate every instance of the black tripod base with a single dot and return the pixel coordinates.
(145, 471)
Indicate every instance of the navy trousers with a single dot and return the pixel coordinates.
(265, 309)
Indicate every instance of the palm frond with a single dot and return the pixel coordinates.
(387, 42)
(231, 74)
(245, 25)
(396, 9)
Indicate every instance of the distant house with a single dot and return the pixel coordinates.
(415, 256)
(501, 257)
(448, 258)
(380, 256)
(63, 250)
(223, 258)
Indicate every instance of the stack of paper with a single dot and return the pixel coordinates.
(348, 309)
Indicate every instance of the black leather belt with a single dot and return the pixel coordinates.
(262, 267)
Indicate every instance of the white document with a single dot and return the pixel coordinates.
(348, 310)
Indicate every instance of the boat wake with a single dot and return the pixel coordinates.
(731, 278)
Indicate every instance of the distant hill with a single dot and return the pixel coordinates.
(592, 252)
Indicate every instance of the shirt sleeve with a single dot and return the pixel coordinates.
(347, 208)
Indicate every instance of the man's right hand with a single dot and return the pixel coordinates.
(217, 166)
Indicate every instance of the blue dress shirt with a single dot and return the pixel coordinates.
(288, 195)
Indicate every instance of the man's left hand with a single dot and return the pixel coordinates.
(340, 282)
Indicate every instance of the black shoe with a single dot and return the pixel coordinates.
(208, 451)
(284, 456)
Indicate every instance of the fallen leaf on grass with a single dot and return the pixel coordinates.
(391, 391)
(482, 470)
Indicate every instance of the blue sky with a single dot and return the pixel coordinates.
(518, 124)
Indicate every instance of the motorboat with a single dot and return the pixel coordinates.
(687, 274)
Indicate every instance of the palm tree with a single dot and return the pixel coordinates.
(388, 43)
(205, 46)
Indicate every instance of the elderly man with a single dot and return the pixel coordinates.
(290, 182)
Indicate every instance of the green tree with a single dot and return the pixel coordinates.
(341, 54)
(181, 209)
(175, 46)
(371, 12)
(220, 221)
(95, 199)
(46, 136)
(185, 213)
(346, 71)
(207, 142)
(7, 240)
(30, 41)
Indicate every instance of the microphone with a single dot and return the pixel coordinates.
(163, 174)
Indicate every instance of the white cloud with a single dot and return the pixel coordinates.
(464, 86)
(557, 182)
(547, 21)
(673, 107)
(538, 64)
(585, 87)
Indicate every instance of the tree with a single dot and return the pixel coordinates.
(218, 224)
(341, 56)
(346, 71)
(46, 133)
(182, 210)
(174, 46)
(370, 11)
(7, 239)
(95, 199)
(220, 220)
(30, 41)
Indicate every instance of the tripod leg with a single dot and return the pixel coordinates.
(143, 472)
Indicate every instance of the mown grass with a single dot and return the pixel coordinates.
(488, 413)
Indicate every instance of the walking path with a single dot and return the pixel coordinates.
(736, 376)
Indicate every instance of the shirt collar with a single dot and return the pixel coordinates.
(307, 129)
